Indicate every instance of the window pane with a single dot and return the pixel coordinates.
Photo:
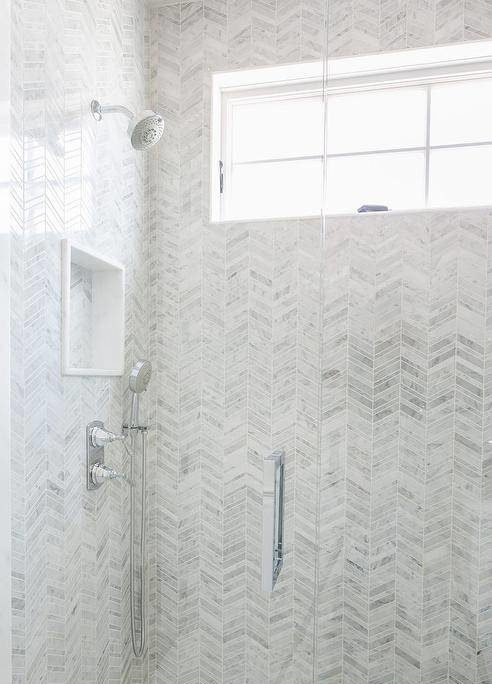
(461, 112)
(277, 129)
(395, 179)
(460, 177)
(276, 189)
(377, 120)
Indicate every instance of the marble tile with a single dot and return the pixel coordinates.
(369, 367)
(71, 178)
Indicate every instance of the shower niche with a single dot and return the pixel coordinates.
(93, 312)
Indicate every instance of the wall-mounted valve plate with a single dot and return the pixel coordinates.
(94, 454)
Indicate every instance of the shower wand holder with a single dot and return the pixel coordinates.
(127, 429)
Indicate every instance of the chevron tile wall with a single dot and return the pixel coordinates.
(72, 179)
(404, 558)
(385, 461)
(485, 549)
(373, 372)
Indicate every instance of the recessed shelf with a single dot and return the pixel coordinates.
(93, 312)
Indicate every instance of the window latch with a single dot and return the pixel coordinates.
(221, 177)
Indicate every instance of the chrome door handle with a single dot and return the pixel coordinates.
(273, 518)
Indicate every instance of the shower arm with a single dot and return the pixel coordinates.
(98, 110)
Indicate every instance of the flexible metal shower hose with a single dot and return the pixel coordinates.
(137, 643)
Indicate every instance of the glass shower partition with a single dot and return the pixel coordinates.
(404, 554)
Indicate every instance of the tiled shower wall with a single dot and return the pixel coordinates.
(236, 335)
(235, 332)
(72, 178)
(405, 548)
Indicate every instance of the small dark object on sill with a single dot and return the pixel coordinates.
(371, 207)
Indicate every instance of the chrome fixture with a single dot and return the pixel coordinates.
(100, 437)
(100, 473)
(138, 382)
(97, 437)
(144, 129)
(273, 517)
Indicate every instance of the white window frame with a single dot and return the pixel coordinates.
(425, 66)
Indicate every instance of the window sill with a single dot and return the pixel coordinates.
(397, 212)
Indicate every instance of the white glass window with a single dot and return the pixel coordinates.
(407, 130)
(392, 179)
(280, 189)
(392, 118)
(461, 112)
(460, 176)
(277, 129)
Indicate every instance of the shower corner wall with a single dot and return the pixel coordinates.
(72, 178)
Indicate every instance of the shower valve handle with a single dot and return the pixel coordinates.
(100, 437)
(100, 473)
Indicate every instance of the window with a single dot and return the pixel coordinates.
(407, 130)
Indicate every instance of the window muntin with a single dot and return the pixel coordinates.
(386, 135)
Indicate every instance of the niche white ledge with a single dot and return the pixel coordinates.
(93, 312)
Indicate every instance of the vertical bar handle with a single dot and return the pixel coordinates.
(273, 518)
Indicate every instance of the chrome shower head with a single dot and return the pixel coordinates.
(144, 130)
(140, 376)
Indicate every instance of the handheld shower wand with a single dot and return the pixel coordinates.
(139, 379)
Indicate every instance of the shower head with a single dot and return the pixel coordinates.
(138, 382)
(144, 130)
(140, 376)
